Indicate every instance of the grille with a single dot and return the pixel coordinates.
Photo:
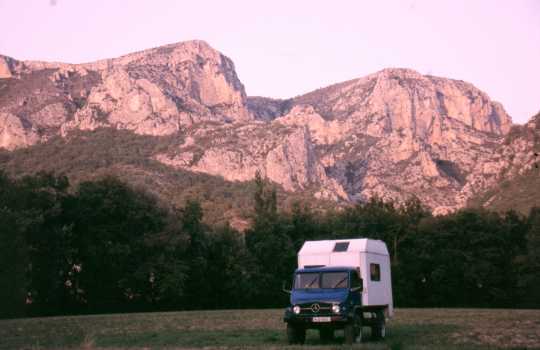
(315, 309)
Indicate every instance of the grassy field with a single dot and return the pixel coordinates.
(409, 329)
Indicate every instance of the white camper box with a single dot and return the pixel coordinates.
(361, 253)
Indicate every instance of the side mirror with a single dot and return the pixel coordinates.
(360, 288)
(285, 289)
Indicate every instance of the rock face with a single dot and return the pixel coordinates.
(5, 67)
(13, 132)
(394, 134)
(267, 109)
(154, 92)
(516, 160)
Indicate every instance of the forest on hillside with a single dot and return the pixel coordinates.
(104, 246)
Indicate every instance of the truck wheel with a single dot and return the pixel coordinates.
(296, 334)
(353, 331)
(379, 330)
(326, 334)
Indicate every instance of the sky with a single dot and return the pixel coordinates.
(286, 48)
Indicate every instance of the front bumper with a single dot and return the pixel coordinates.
(308, 320)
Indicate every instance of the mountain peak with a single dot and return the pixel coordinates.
(405, 99)
(155, 92)
(173, 52)
(390, 71)
(180, 50)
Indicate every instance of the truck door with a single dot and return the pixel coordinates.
(356, 282)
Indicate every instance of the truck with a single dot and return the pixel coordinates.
(340, 284)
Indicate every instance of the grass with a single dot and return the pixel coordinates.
(409, 329)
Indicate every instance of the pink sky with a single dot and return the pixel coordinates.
(286, 48)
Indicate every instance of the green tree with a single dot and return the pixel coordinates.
(301, 225)
(529, 281)
(111, 223)
(40, 200)
(229, 270)
(13, 251)
(270, 246)
(265, 201)
(198, 290)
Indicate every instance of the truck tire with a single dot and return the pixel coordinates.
(353, 331)
(326, 334)
(378, 331)
(296, 334)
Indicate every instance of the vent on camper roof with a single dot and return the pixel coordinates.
(341, 247)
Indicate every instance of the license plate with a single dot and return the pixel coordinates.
(321, 319)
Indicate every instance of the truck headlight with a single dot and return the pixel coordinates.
(336, 309)
(296, 309)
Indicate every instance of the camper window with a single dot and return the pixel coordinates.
(375, 272)
(341, 246)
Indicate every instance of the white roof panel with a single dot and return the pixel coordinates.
(355, 245)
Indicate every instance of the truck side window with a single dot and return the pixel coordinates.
(375, 272)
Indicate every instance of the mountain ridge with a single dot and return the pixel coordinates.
(394, 134)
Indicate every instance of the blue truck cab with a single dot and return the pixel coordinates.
(327, 298)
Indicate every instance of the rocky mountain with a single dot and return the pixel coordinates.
(395, 133)
(517, 164)
(153, 92)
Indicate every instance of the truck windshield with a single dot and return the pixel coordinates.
(315, 280)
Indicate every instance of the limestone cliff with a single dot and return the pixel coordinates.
(514, 169)
(395, 133)
(154, 92)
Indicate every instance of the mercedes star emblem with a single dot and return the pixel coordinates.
(315, 307)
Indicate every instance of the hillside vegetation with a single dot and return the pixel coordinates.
(518, 187)
(520, 193)
(91, 155)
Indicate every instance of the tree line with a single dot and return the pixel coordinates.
(103, 246)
